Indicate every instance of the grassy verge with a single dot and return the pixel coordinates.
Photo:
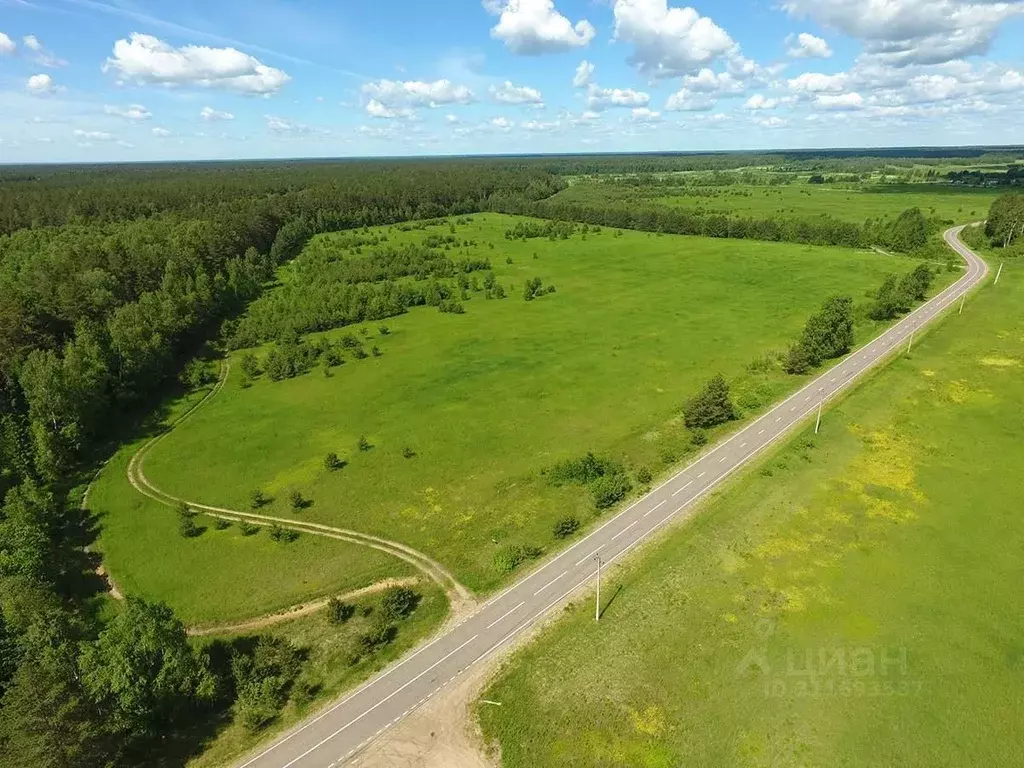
(490, 399)
(327, 670)
(853, 601)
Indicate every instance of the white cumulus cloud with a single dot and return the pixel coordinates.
(41, 85)
(770, 122)
(807, 46)
(645, 115)
(501, 123)
(686, 100)
(903, 32)
(839, 101)
(600, 98)
(669, 41)
(145, 59)
(211, 115)
(132, 112)
(584, 75)
(759, 101)
(40, 55)
(413, 93)
(507, 93)
(375, 109)
(816, 82)
(533, 27)
(161, 133)
(7, 46)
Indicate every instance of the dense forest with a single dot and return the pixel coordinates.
(110, 278)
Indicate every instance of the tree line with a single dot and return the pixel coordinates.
(907, 233)
(109, 280)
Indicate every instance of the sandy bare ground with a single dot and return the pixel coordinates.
(440, 734)
(303, 609)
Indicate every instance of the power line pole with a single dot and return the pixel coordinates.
(962, 300)
(597, 605)
(910, 343)
(996, 281)
(821, 401)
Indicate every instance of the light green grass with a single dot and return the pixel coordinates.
(328, 667)
(893, 539)
(221, 575)
(491, 398)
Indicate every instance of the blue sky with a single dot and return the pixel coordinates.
(123, 80)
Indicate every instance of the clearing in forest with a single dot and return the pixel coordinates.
(444, 434)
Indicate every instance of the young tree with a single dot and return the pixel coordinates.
(711, 406)
(332, 462)
(565, 527)
(398, 602)
(257, 499)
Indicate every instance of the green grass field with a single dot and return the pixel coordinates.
(221, 575)
(327, 667)
(854, 203)
(853, 601)
(489, 399)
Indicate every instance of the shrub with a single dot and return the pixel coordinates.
(643, 475)
(283, 535)
(221, 524)
(248, 529)
(296, 501)
(332, 462)
(582, 470)
(510, 556)
(566, 527)
(376, 351)
(257, 499)
(698, 436)
(408, 452)
(378, 634)
(398, 602)
(384, 330)
(250, 365)
(609, 490)
(338, 611)
(364, 444)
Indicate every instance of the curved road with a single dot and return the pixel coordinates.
(334, 735)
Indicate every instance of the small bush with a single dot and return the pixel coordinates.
(609, 490)
(332, 462)
(643, 476)
(379, 633)
(581, 471)
(257, 499)
(711, 406)
(248, 529)
(376, 351)
(364, 444)
(221, 524)
(296, 501)
(509, 557)
(566, 527)
(338, 611)
(408, 452)
(398, 602)
(384, 330)
(283, 535)
(698, 436)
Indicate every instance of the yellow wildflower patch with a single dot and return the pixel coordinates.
(651, 721)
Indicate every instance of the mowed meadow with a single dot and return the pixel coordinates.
(463, 413)
(854, 600)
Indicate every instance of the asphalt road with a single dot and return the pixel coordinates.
(339, 731)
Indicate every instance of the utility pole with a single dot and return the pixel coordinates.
(962, 300)
(597, 605)
(910, 343)
(821, 401)
(996, 281)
